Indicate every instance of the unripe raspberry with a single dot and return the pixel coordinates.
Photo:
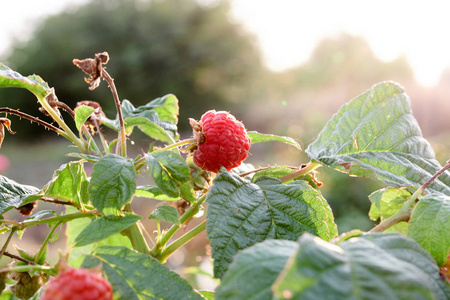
(26, 285)
(222, 141)
(78, 284)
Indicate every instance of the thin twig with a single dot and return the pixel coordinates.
(20, 114)
(19, 258)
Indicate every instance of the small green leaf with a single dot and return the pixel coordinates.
(169, 170)
(33, 83)
(40, 215)
(241, 213)
(82, 113)
(165, 213)
(208, 295)
(153, 192)
(150, 128)
(430, 226)
(380, 266)
(69, 183)
(112, 185)
(157, 119)
(254, 270)
(257, 137)
(139, 276)
(102, 228)
(14, 195)
(387, 201)
(376, 135)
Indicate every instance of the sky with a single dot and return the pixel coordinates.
(288, 30)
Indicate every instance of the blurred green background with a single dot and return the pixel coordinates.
(209, 61)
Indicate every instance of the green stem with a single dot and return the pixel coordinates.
(303, 171)
(13, 230)
(180, 143)
(192, 211)
(45, 269)
(404, 213)
(122, 134)
(44, 244)
(71, 136)
(134, 234)
(62, 218)
(162, 257)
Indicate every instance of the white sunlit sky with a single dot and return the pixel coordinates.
(288, 30)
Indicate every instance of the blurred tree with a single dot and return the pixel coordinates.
(156, 47)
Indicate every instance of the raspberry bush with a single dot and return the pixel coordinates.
(271, 232)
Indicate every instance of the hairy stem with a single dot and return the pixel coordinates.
(134, 234)
(122, 134)
(162, 257)
(70, 135)
(20, 114)
(189, 213)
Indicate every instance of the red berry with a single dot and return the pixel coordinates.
(222, 141)
(78, 284)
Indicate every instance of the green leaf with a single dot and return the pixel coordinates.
(254, 270)
(139, 276)
(153, 192)
(387, 201)
(165, 213)
(241, 214)
(102, 228)
(257, 137)
(148, 127)
(33, 83)
(40, 215)
(69, 183)
(166, 107)
(14, 195)
(157, 119)
(73, 230)
(82, 113)
(113, 183)
(169, 170)
(382, 266)
(430, 226)
(376, 135)
(208, 295)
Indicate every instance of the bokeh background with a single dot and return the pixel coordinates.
(282, 67)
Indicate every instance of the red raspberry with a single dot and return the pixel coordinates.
(78, 284)
(222, 141)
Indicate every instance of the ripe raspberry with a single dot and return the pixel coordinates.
(78, 284)
(222, 141)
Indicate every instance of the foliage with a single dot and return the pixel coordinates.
(195, 51)
(272, 233)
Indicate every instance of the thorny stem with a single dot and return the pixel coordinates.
(404, 213)
(122, 135)
(303, 171)
(20, 114)
(49, 236)
(192, 211)
(45, 269)
(162, 257)
(70, 135)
